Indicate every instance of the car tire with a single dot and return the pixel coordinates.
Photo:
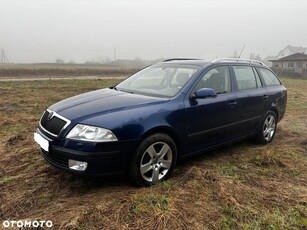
(153, 161)
(267, 129)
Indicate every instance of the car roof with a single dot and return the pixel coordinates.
(201, 62)
(187, 61)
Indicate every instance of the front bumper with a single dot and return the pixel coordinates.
(114, 160)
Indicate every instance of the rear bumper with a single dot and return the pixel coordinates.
(281, 113)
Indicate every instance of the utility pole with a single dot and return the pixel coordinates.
(4, 59)
(114, 50)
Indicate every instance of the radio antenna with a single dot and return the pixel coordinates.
(241, 51)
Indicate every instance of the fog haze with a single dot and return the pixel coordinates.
(80, 30)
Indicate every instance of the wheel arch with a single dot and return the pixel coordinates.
(133, 169)
(275, 110)
(168, 131)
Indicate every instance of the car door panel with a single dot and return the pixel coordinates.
(210, 121)
(251, 107)
(251, 98)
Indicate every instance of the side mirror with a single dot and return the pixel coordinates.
(204, 93)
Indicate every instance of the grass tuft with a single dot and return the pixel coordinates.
(149, 203)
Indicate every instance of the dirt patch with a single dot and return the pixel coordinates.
(13, 140)
(12, 108)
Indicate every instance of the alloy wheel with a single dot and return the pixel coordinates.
(269, 128)
(156, 162)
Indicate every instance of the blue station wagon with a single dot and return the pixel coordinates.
(168, 111)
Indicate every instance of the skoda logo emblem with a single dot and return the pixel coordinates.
(50, 116)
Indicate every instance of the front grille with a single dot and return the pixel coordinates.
(55, 159)
(53, 125)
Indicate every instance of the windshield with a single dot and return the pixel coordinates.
(158, 80)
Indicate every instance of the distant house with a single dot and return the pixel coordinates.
(294, 64)
(287, 51)
(294, 61)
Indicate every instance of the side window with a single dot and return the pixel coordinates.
(217, 78)
(245, 77)
(269, 78)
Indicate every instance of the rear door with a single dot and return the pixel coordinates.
(251, 98)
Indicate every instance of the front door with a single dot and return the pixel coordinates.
(211, 121)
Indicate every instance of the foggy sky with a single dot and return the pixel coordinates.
(80, 30)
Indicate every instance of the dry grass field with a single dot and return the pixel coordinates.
(243, 186)
(58, 70)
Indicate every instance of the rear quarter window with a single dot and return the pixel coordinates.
(269, 78)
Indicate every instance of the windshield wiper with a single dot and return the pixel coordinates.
(221, 92)
(126, 91)
(123, 90)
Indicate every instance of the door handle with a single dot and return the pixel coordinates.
(265, 97)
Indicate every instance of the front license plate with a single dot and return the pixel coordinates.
(43, 143)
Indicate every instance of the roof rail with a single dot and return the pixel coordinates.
(180, 59)
(238, 60)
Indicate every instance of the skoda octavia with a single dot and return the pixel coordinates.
(165, 112)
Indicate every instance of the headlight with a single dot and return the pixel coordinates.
(91, 133)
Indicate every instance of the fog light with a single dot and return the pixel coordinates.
(77, 165)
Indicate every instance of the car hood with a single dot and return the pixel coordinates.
(102, 101)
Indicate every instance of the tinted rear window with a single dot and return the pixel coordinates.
(269, 78)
